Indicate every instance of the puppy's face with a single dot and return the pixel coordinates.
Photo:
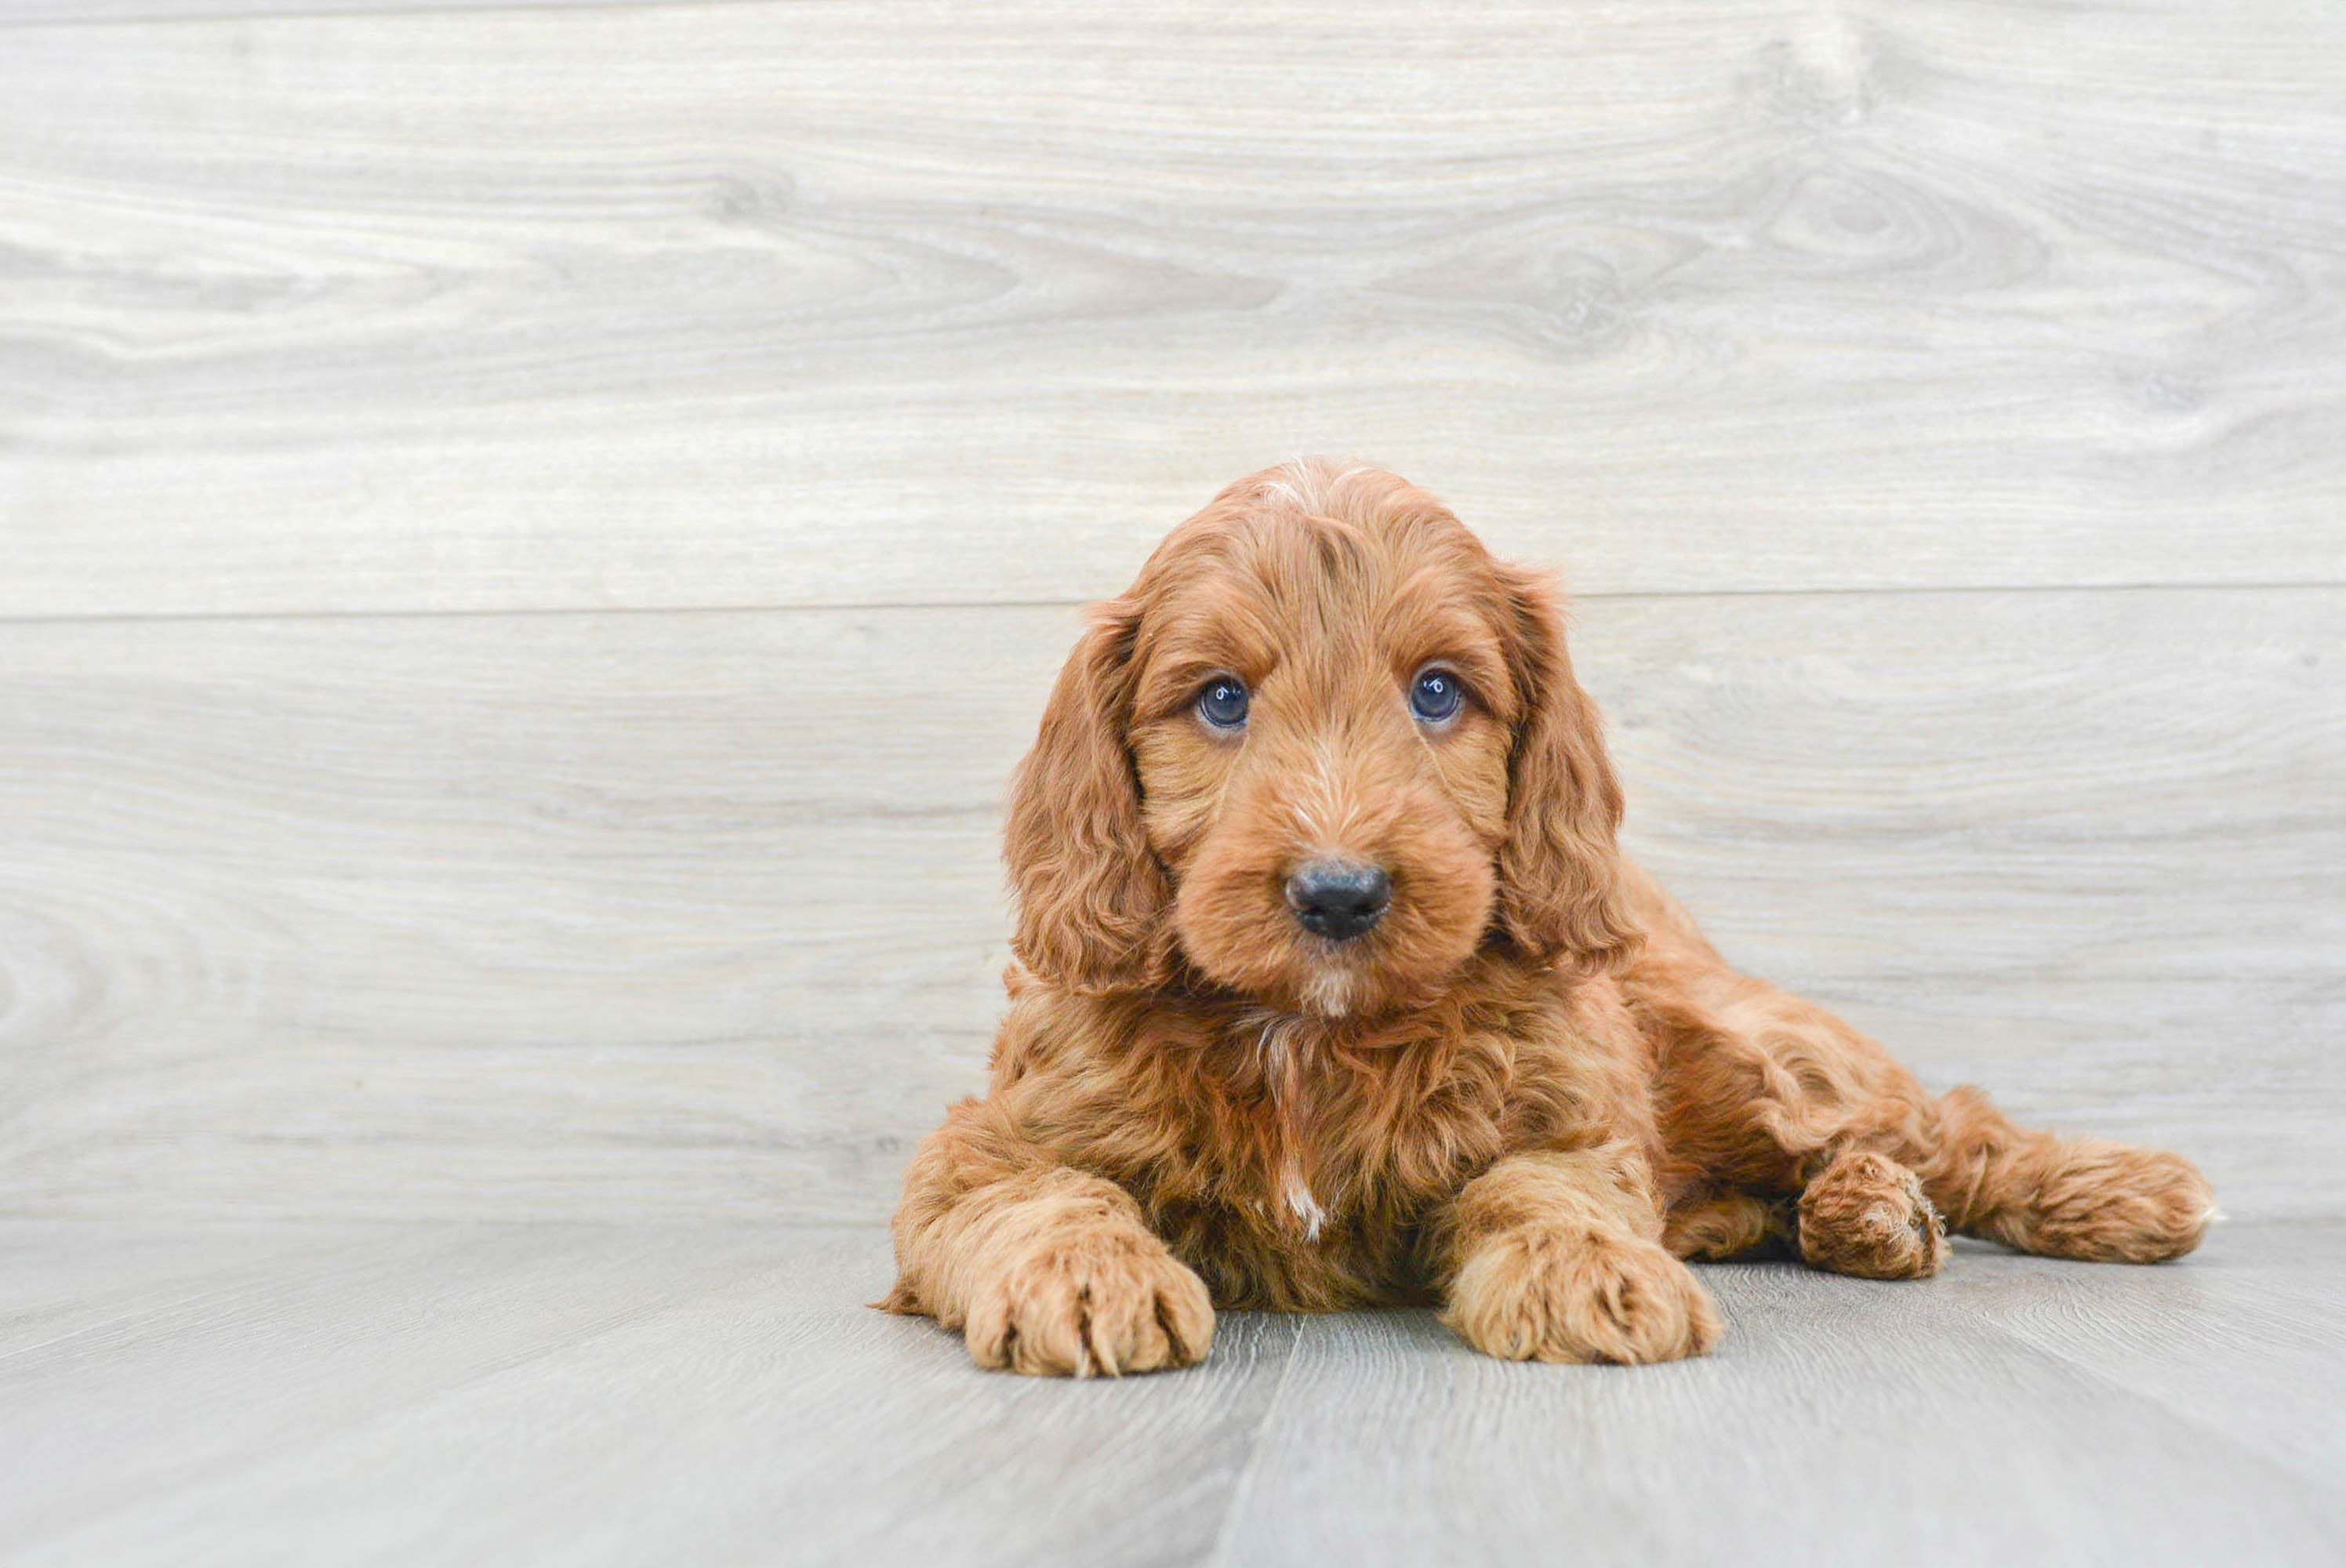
(1323, 750)
(1321, 719)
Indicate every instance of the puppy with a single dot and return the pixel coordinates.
(1333, 988)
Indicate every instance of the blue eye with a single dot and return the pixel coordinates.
(1223, 703)
(1435, 695)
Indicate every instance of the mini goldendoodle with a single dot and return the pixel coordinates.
(1334, 989)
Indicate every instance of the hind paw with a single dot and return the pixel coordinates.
(2109, 1202)
(1867, 1215)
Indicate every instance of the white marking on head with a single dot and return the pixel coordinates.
(1310, 485)
(1311, 482)
(1284, 488)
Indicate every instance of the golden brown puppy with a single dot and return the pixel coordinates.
(1334, 989)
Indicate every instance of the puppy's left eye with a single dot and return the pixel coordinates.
(1435, 695)
(1223, 703)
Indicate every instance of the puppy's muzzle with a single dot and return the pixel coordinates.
(1339, 899)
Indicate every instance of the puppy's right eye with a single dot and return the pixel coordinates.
(1223, 703)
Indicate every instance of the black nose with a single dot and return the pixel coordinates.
(1339, 899)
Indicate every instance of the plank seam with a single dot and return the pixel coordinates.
(848, 606)
(1225, 1532)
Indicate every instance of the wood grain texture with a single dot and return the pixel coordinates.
(611, 1394)
(2177, 1339)
(806, 303)
(118, 13)
(695, 915)
(1842, 1422)
(618, 1395)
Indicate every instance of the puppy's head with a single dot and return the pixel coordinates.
(1323, 750)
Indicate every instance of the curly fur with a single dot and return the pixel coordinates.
(1525, 1096)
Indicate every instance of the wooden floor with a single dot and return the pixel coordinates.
(574, 1395)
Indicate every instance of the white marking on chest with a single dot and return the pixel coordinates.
(1272, 1046)
(1282, 1073)
(1304, 1207)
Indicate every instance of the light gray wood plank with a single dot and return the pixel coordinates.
(1843, 1421)
(2084, 849)
(699, 915)
(576, 1395)
(823, 303)
(277, 1353)
(610, 1394)
(119, 13)
(62, 1277)
(2245, 1341)
(682, 915)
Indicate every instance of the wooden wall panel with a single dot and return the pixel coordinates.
(122, 13)
(668, 915)
(816, 303)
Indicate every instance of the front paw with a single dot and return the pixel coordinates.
(1109, 1301)
(1566, 1297)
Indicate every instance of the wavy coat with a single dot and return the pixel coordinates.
(1525, 1094)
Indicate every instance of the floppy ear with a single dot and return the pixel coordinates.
(1560, 896)
(1092, 895)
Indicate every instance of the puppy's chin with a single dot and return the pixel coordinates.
(1331, 991)
(1326, 982)
(1347, 982)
